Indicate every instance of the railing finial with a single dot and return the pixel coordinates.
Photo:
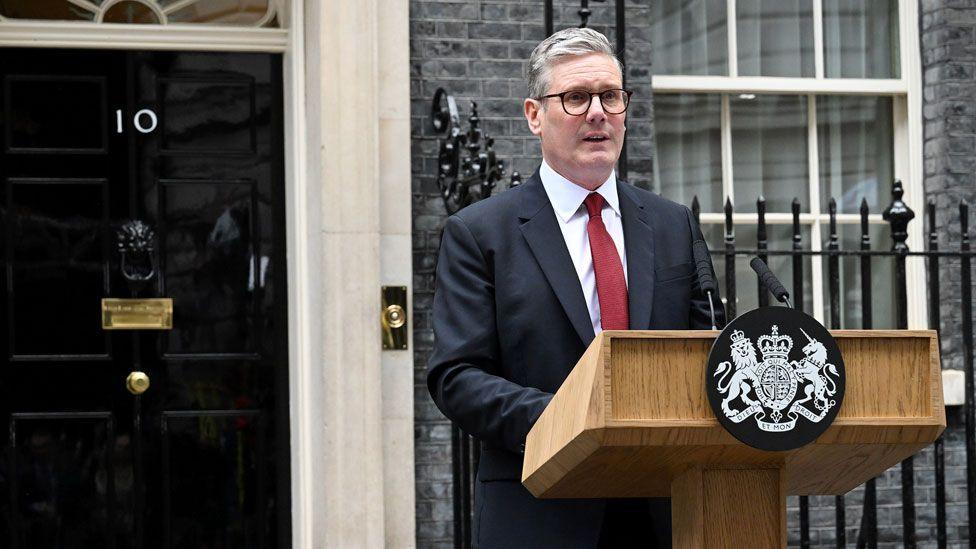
(898, 214)
(585, 12)
(729, 228)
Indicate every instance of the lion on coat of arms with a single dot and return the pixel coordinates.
(744, 376)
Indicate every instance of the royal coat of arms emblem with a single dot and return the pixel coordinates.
(777, 387)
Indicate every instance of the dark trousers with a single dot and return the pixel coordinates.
(638, 522)
(507, 516)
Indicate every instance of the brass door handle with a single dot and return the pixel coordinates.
(137, 383)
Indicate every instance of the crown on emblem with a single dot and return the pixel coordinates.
(739, 340)
(775, 345)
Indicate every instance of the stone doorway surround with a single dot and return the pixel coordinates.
(357, 410)
(347, 166)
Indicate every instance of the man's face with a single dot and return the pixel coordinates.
(585, 148)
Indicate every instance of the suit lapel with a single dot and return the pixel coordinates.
(639, 243)
(541, 230)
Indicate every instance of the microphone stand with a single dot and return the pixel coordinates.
(711, 309)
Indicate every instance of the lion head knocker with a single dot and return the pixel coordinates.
(136, 243)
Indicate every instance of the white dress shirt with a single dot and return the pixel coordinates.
(567, 199)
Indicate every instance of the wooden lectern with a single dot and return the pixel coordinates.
(633, 420)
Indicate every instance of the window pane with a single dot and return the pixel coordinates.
(861, 39)
(779, 237)
(132, 13)
(224, 12)
(855, 142)
(32, 9)
(849, 278)
(769, 151)
(689, 37)
(689, 149)
(775, 37)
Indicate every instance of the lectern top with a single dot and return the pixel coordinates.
(633, 414)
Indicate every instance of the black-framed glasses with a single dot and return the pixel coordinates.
(577, 102)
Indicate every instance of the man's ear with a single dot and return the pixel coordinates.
(533, 115)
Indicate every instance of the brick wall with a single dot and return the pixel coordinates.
(476, 50)
(949, 110)
(948, 44)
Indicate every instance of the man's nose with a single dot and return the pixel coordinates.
(595, 112)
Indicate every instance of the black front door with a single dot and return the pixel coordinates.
(189, 144)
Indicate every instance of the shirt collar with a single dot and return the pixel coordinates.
(567, 197)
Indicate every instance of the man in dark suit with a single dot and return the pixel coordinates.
(526, 279)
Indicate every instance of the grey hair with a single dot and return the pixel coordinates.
(564, 43)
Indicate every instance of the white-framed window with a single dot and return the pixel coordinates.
(233, 13)
(806, 99)
(180, 25)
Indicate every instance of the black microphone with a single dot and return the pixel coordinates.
(770, 281)
(705, 280)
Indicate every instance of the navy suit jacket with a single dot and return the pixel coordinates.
(510, 322)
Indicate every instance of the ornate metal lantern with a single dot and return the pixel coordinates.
(465, 172)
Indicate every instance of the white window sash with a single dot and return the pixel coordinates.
(83, 34)
(907, 140)
(667, 83)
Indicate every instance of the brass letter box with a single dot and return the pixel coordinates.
(137, 314)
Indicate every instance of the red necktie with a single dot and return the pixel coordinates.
(611, 287)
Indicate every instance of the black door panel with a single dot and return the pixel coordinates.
(50, 114)
(190, 144)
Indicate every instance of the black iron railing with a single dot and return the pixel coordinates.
(897, 217)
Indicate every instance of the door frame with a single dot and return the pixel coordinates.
(334, 490)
